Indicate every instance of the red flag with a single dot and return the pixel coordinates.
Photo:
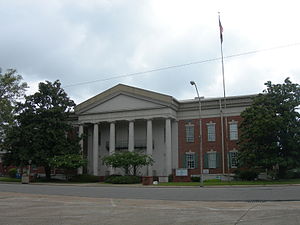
(221, 30)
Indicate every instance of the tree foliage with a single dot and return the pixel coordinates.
(67, 162)
(270, 131)
(11, 90)
(130, 162)
(42, 128)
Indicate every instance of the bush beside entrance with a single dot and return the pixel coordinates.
(12, 172)
(117, 179)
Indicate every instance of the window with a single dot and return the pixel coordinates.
(190, 160)
(233, 159)
(211, 132)
(189, 132)
(212, 160)
(233, 131)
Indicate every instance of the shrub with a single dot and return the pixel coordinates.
(246, 174)
(12, 172)
(113, 179)
(45, 179)
(292, 174)
(195, 179)
(213, 181)
(85, 178)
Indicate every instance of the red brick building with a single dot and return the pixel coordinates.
(128, 118)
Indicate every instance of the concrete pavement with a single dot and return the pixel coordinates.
(32, 209)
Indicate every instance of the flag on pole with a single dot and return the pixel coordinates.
(221, 30)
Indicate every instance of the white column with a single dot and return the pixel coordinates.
(168, 158)
(112, 142)
(149, 144)
(112, 138)
(80, 133)
(174, 144)
(131, 136)
(95, 149)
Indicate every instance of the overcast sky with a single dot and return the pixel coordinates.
(80, 41)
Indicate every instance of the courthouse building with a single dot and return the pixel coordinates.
(125, 118)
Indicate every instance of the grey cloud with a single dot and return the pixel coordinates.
(77, 41)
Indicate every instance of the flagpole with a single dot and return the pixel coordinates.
(224, 95)
(222, 58)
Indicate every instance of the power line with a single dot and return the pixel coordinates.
(112, 77)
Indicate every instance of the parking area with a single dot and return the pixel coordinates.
(32, 209)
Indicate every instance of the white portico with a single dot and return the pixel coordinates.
(133, 119)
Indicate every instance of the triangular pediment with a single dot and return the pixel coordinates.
(125, 98)
(122, 102)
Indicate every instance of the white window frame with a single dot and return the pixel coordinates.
(212, 160)
(211, 131)
(233, 159)
(233, 131)
(190, 160)
(189, 133)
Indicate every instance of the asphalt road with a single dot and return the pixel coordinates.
(265, 193)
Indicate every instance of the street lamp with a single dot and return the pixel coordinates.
(200, 134)
(29, 167)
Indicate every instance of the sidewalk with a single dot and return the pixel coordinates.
(101, 184)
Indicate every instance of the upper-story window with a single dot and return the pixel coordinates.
(211, 131)
(189, 132)
(233, 130)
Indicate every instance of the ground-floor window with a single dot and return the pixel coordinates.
(190, 160)
(211, 160)
(233, 159)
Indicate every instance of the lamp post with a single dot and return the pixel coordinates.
(29, 166)
(200, 134)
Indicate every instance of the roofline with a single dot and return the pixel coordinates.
(126, 88)
(216, 98)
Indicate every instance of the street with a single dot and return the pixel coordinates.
(251, 193)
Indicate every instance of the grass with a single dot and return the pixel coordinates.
(229, 183)
(206, 183)
(9, 179)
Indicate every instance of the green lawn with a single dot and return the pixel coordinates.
(206, 183)
(219, 183)
(9, 179)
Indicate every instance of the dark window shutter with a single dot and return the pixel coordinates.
(218, 158)
(196, 160)
(206, 160)
(229, 159)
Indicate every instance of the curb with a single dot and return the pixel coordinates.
(147, 186)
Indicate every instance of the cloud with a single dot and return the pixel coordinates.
(79, 41)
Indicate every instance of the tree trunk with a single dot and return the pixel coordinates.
(126, 171)
(282, 172)
(48, 172)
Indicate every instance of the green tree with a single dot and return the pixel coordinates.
(270, 131)
(42, 128)
(11, 90)
(130, 162)
(68, 162)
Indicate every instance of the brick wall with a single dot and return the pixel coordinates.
(216, 145)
